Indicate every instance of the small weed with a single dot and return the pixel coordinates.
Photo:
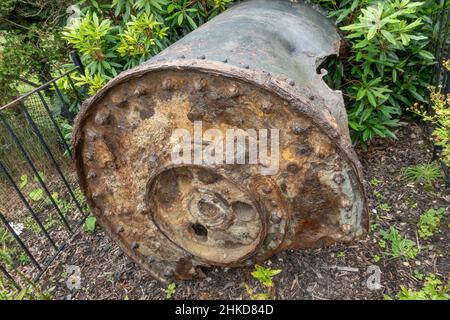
(170, 290)
(385, 207)
(36, 194)
(264, 276)
(377, 195)
(418, 275)
(7, 249)
(431, 290)
(108, 276)
(374, 182)
(89, 224)
(429, 222)
(400, 246)
(374, 227)
(341, 254)
(425, 173)
(376, 258)
(11, 291)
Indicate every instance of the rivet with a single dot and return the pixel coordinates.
(266, 189)
(266, 107)
(89, 156)
(275, 218)
(167, 84)
(101, 118)
(202, 57)
(297, 129)
(200, 84)
(134, 245)
(338, 179)
(91, 175)
(183, 56)
(246, 66)
(225, 60)
(233, 91)
(292, 167)
(304, 150)
(291, 83)
(139, 92)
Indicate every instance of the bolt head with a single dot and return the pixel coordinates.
(266, 107)
(139, 92)
(266, 189)
(338, 179)
(167, 84)
(292, 167)
(297, 129)
(91, 175)
(200, 84)
(275, 218)
(134, 245)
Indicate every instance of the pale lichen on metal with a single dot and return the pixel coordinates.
(253, 66)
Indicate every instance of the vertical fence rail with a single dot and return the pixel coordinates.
(41, 205)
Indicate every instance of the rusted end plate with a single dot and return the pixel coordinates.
(172, 218)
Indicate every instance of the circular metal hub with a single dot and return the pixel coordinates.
(206, 214)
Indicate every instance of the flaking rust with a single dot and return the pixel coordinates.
(253, 66)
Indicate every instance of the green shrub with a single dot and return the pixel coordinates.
(125, 33)
(387, 69)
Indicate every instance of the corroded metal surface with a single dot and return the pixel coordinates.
(253, 67)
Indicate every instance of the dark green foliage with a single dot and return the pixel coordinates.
(389, 63)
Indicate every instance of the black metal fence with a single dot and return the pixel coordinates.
(41, 204)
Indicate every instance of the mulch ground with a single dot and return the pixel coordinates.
(336, 272)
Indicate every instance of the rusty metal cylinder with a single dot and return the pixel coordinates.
(253, 67)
